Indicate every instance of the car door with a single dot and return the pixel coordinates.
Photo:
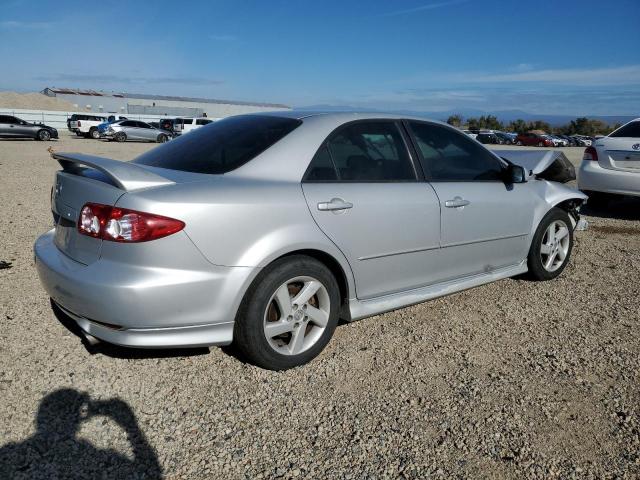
(146, 132)
(13, 127)
(5, 126)
(485, 222)
(363, 191)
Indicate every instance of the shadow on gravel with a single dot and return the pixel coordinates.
(620, 208)
(123, 353)
(54, 451)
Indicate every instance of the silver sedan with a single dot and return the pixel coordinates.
(124, 130)
(264, 230)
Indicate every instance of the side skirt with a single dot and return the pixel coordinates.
(366, 308)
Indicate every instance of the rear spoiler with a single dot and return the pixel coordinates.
(125, 175)
(550, 165)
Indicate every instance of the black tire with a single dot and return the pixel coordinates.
(519, 142)
(44, 135)
(79, 134)
(94, 133)
(162, 138)
(120, 137)
(249, 337)
(537, 270)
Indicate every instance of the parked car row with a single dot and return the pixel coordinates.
(122, 129)
(535, 139)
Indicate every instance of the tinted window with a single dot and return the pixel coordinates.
(630, 130)
(127, 123)
(370, 152)
(321, 168)
(451, 156)
(221, 146)
(143, 125)
(202, 121)
(5, 119)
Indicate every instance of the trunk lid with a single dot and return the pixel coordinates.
(619, 153)
(84, 179)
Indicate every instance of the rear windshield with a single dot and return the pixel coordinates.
(221, 146)
(630, 130)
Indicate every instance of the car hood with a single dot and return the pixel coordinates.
(550, 165)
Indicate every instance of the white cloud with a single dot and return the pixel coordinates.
(422, 8)
(627, 75)
(14, 24)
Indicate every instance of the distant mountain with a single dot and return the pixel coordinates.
(502, 115)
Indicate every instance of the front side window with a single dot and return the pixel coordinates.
(202, 121)
(221, 146)
(370, 152)
(630, 130)
(449, 156)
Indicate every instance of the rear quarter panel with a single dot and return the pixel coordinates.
(240, 222)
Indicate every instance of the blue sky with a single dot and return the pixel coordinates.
(546, 56)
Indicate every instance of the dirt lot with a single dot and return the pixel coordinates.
(513, 379)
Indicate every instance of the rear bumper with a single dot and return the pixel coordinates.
(139, 306)
(592, 177)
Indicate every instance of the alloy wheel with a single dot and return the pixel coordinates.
(555, 246)
(297, 315)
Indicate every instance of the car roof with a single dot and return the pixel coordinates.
(343, 117)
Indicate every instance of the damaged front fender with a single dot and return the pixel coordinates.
(551, 165)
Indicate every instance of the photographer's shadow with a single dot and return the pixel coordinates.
(54, 451)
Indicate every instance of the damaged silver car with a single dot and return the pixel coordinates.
(266, 229)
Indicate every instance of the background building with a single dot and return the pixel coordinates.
(159, 105)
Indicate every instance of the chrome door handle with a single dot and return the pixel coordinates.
(334, 204)
(456, 202)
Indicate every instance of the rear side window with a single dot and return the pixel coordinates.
(450, 156)
(630, 130)
(321, 168)
(368, 152)
(221, 146)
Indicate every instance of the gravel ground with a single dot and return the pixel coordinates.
(513, 379)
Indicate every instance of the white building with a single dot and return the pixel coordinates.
(160, 105)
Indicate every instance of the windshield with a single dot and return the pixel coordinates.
(221, 146)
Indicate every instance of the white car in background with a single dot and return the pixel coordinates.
(470, 133)
(186, 125)
(612, 164)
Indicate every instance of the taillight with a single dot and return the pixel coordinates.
(79, 123)
(124, 225)
(590, 154)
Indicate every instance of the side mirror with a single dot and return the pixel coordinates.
(516, 174)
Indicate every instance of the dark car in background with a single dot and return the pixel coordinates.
(534, 140)
(14, 127)
(488, 138)
(505, 138)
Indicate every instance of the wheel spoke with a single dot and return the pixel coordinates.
(283, 299)
(317, 316)
(545, 249)
(273, 329)
(550, 259)
(297, 340)
(551, 233)
(561, 233)
(562, 254)
(309, 290)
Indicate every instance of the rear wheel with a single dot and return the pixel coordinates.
(120, 137)
(44, 135)
(551, 246)
(519, 142)
(94, 133)
(162, 138)
(289, 314)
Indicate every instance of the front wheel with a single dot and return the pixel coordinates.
(519, 142)
(551, 246)
(94, 133)
(44, 136)
(120, 137)
(162, 138)
(289, 314)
